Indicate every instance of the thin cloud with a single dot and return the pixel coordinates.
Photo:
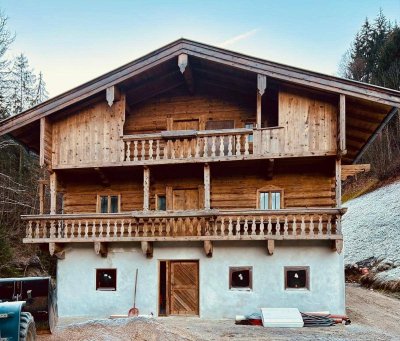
(239, 37)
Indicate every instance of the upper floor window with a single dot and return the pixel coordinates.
(161, 202)
(108, 203)
(270, 199)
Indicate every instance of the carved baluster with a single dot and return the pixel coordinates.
(294, 226)
(29, 229)
(79, 229)
(262, 226)
(158, 150)
(165, 150)
(128, 151)
(311, 225)
(100, 228)
(189, 149)
(44, 224)
(192, 225)
(237, 227)
(320, 226)
(135, 150)
(246, 144)
(278, 226)
(94, 229)
(199, 226)
(269, 226)
(122, 228)
(72, 229)
(52, 229)
(213, 146)
(153, 227)
(197, 148)
(230, 145)
(205, 152)
(60, 230)
(221, 146)
(238, 145)
(253, 226)
(222, 226)
(145, 227)
(173, 146)
(246, 227)
(338, 224)
(168, 227)
(136, 222)
(130, 228)
(182, 144)
(207, 229)
(108, 228)
(230, 227)
(303, 226)
(36, 229)
(143, 153)
(86, 229)
(285, 226)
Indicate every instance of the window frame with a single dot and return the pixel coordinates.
(156, 203)
(297, 268)
(270, 190)
(108, 195)
(241, 268)
(254, 124)
(98, 288)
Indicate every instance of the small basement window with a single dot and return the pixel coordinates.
(108, 203)
(241, 278)
(106, 279)
(297, 277)
(161, 203)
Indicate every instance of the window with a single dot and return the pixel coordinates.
(106, 279)
(108, 203)
(249, 125)
(161, 203)
(297, 277)
(240, 278)
(270, 199)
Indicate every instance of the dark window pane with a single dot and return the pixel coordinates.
(106, 279)
(240, 278)
(296, 279)
(104, 204)
(161, 203)
(114, 204)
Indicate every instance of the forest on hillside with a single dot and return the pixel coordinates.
(373, 57)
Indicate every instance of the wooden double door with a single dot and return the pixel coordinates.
(179, 288)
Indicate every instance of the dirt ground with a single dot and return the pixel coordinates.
(373, 315)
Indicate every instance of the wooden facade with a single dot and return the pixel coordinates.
(197, 143)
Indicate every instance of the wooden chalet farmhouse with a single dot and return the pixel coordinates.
(215, 174)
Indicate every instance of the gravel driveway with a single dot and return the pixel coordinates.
(374, 317)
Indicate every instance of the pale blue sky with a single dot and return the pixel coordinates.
(73, 41)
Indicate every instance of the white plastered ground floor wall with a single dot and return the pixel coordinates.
(76, 274)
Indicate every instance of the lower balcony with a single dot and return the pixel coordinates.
(206, 225)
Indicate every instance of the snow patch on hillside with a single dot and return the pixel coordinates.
(371, 226)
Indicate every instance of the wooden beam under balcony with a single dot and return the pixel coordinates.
(208, 248)
(147, 249)
(57, 249)
(101, 249)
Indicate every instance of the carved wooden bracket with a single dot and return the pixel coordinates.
(101, 249)
(271, 246)
(208, 248)
(184, 67)
(112, 95)
(147, 248)
(337, 245)
(56, 249)
(261, 84)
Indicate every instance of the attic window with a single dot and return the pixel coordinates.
(297, 277)
(106, 279)
(241, 278)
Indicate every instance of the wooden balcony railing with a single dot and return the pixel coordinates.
(185, 225)
(203, 145)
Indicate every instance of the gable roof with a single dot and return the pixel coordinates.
(356, 90)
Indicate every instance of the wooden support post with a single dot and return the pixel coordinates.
(56, 249)
(271, 246)
(103, 177)
(338, 183)
(270, 169)
(101, 249)
(53, 193)
(147, 248)
(261, 86)
(112, 95)
(42, 141)
(146, 188)
(337, 245)
(41, 197)
(207, 190)
(342, 125)
(184, 67)
(208, 248)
